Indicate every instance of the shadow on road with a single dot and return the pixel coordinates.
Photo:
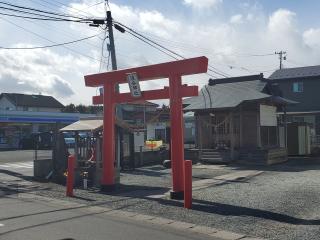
(16, 174)
(146, 172)
(294, 164)
(22, 184)
(232, 210)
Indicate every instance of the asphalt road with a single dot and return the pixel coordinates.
(23, 219)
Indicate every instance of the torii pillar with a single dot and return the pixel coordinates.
(175, 92)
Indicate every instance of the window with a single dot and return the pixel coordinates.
(160, 134)
(297, 87)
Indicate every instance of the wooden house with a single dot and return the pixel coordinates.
(236, 119)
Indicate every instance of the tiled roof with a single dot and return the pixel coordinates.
(230, 95)
(142, 102)
(25, 100)
(300, 72)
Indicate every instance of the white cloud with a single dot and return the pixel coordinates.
(151, 21)
(202, 3)
(282, 20)
(40, 70)
(311, 37)
(154, 22)
(250, 17)
(283, 34)
(236, 19)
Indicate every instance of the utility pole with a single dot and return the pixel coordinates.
(112, 50)
(282, 57)
(108, 22)
(111, 39)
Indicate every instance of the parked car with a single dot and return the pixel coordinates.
(69, 139)
(40, 140)
(28, 142)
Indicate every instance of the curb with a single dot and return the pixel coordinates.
(241, 175)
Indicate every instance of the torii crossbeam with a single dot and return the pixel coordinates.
(175, 92)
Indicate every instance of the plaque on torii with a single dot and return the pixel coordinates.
(175, 92)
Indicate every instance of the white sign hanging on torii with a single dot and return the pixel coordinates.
(134, 84)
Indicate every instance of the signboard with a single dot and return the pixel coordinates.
(134, 84)
(268, 116)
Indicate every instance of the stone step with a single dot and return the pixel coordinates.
(213, 160)
(211, 155)
(252, 155)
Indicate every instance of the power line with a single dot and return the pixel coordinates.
(75, 10)
(187, 46)
(168, 54)
(210, 68)
(38, 10)
(58, 29)
(150, 40)
(102, 51)
(44, 19)
(34, 14)
(164, 49)
(193, 48)
(49, 46)
(159, 49)
(38, 35)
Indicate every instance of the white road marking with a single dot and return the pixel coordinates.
(26, 165)
(1, 225)
(17, 165)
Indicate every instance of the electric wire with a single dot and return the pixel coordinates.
(49, 46)
(60, 4)
(60, 30)
(38, 35)
(36, 14)
(161, 47)
(45, 19)
(158, 48)
(41, 11)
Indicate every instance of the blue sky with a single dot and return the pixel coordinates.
(228, 32)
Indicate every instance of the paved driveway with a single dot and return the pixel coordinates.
(22, 155)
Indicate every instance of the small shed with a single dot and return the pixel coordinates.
(87, 138)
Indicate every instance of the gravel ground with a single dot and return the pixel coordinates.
(281, 203)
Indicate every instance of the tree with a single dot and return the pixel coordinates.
(90, 109)
(82, 108)
(70, 108)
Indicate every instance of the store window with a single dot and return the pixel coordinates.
(297, 87)
(160, 134)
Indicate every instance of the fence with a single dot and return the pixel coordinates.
(315, 140)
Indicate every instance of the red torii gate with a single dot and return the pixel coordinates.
(175, 92)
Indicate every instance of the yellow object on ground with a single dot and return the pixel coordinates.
(153, 144)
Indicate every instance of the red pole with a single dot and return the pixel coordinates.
(187, 184)
(177, 143)
(70, 176)
(108, 137)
